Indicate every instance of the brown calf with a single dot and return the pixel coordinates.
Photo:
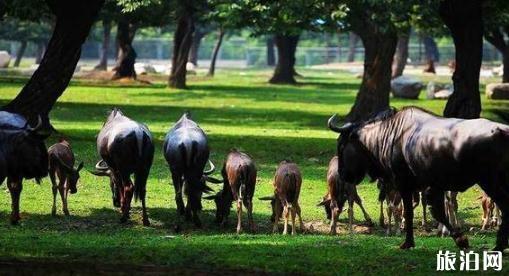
(239, 175)
(333, 202)
(287, 183)
(61, 165)
(490, 213)
(394, 207)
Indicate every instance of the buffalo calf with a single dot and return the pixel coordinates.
(239, 175)
(61, 165)
(287, 183)
(334, 201)
(491, 213)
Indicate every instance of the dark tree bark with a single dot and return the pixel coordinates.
(285, 69)
(103, 60)
(73, 22)
(496, 38)
(181, 46)
(195, 46)
(20, 53)
(379, 49)
(352, 45)
(271, 55)
(212, 68)
(401, 56)
(431, 53)
(39, 53)
(464, 20)
(126, 54)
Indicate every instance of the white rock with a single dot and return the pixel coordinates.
(5, 59)
(497, 91)
(406, 87)
(438, 90)
(190, 66)
(443, 94)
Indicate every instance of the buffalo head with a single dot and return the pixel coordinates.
(73, 175)
(223, 203)
(102, 169)
(272, 200)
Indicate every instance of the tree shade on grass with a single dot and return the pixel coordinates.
(236, 109)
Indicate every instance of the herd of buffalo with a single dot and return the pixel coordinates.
(410, 152)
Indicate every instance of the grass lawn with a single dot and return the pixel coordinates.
(236, 109)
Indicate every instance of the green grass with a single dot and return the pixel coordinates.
(236, 109)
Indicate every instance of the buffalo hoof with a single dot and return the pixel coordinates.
(407, 245)
(146, 222)
(462, 242)
(123, 219)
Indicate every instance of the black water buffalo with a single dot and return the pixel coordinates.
(126, 148)
(187, 151)
(239, 175)
(413, 148)
(22, 155)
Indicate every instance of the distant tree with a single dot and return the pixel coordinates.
(352, 46)
(215, 52)
(107, 15)
(496, 26)
(271, 56)
(401, 55)
(431, 53)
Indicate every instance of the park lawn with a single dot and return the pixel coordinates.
(236, 109)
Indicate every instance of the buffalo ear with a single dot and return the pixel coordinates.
(80, 166)
(213, 180)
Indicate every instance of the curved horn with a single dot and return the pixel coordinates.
(100, 165)
(267, 198)
(213, 180)
(100, 173)
(323, 202)
(333, 124)
(37, 127)
(211, 170)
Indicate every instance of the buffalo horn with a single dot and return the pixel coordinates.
(333, 125)
(211, 170)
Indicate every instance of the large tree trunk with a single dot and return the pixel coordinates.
(73, 22)
(379, 48)
(103, 59)
(271, 55)
(126, 54)
(212, 68)
(505, 77)
(195, 46)
(285, 69)
(464, 19)
(181, 45)
(19, 54)
(352, 45)
(401, 56)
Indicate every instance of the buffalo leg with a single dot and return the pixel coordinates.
(128, 189)
(177, 184)
(15, 187)
(424, 206)
(249, 206)
(390, 212)
(358, 201)
(239, 216)
(334, 216)
(293, 213)
(498, 194)
(436, 198)
(277, 207)
(146, 222)
(350, 215)
(285, 216)
(409, 217)
(54, 190)
(382, 217)
(63, 196)
(298, 210)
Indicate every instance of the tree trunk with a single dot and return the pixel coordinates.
(212, 68)
(39, 54)
(73, 22)
(271, 56)
(374, 92)
(352, 46)
(126, 54)
(285, 69)
(181, 46)
(464, 20)
(195, 46)
(497, 38)
(505, 55)
(19, 54)
(431, 53)
(103, 60)
(401, 56)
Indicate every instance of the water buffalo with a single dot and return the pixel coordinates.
(239, 176)
(413, 148)
(334, 203)
(126, 148)
(22, 155)
(186, 150)
(61, 165)
(287, 183)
